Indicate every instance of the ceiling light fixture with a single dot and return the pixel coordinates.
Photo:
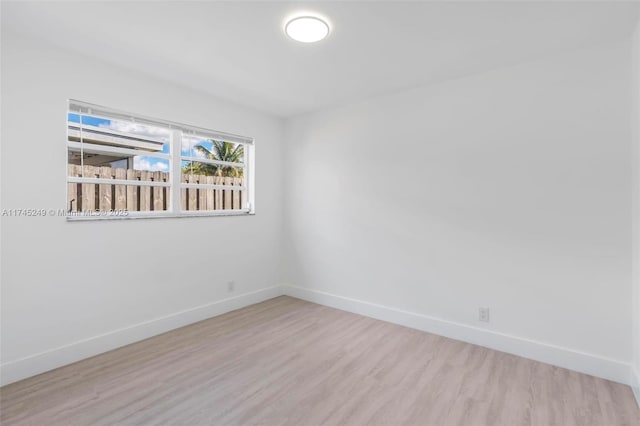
(307, 29)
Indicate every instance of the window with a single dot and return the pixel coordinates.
(120, 165)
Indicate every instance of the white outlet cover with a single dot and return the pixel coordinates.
(483, 314)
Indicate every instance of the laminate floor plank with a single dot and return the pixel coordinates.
(290, 362)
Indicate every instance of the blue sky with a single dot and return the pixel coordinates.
(142, 162)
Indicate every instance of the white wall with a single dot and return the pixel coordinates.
(71, 290)
(635, 123)
(508, 189)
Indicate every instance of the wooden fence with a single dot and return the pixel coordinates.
(103, 197)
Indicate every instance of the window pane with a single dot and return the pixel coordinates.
(194, 171)
(89, 197)
(106, 133)
(203, 198)
(117, 166)
(199, 147)
(97, 153)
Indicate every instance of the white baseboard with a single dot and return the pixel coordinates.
(19, 369)
(610, 369)
(635, 384)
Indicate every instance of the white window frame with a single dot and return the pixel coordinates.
(177, 132)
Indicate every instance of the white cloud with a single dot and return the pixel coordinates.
(188, 142)
(142, 163)
(139, 129)
(162, 167)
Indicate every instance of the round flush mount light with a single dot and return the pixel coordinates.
(307, 29)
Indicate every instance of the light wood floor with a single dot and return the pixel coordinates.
(286, 361)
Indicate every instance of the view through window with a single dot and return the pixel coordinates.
(124, 165)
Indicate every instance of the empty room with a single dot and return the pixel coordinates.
(421, 213)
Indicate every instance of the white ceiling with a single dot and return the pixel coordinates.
(238, 51)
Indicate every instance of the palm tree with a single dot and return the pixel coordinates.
(220, 151)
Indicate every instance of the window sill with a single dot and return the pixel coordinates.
(146, 215)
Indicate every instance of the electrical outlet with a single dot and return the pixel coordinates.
(231, 286)
(483, 314)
